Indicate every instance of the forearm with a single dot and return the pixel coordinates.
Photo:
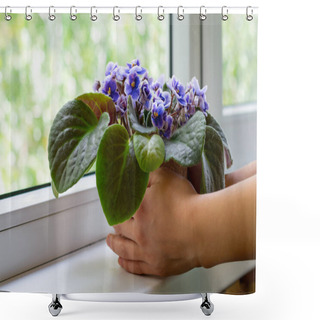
(225, 224)
(241, 174)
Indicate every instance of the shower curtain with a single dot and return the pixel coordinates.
(171, 87)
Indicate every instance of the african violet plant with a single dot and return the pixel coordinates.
(131, 125)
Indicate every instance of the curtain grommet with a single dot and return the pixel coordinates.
(73, 17)
(28, 15)
(180, 15)
(249, 17)
(138, 16)
(93, 17)
(224, 13)
(160, 16)
(116, 17)
(7, 16)
(51, 16)
(203, 13)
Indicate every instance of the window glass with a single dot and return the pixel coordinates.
(239, 47)
(44, 64)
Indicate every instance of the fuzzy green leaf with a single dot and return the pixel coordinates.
(149, 151)
(212, 160)
(134, 123)
(100, 103)
(54, 190)
(73, 143)
(211, 121)
(121, 183)
(186, 144)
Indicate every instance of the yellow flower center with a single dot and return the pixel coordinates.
(109, 90)
(177, 90)
(155, 114)
(133, 84)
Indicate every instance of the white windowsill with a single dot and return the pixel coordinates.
(94, 269)
(240, 109)
(36, 228)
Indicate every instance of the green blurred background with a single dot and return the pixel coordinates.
(44, 64)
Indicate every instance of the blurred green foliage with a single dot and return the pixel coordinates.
(239, 56)
(44, 64)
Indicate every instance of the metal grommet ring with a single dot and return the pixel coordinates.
(180, 16)
(249, 16)
(73, 17)
(116, 17)
(51, 16)
(203, 15)
(93, 17)
(160, 16)
(6, 15)
(28, 16)
(224, 16)
(138, 16)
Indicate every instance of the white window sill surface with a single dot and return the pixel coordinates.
(94, 269)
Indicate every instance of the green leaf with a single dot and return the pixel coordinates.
(134, 123)
(149, 151)
(100, 103)
(54, 190)
(212, 161)
(211, 121)
(121, 183)
(73, 143)
(186, 144)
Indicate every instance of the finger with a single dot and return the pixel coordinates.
(139, 224)
(154, 177)
(126, 229)
(134, 266)
(123, 247)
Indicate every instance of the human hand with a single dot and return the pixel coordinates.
(160, 238)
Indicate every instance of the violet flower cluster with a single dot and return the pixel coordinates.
(166, 106)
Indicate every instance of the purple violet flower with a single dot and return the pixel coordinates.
(122, 73)
(109, 88)
(111, 69)
(168, 127)
(134, 66)
(203, 104)
(164, 96)
(190, 107)
(145, 94)
(196, 87)
(121, 105)
(132, 86)
(158, 84)
(146, 77)
(158, 114)
(178, 89)
(200, 93)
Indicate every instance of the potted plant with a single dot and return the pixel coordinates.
(131, 125)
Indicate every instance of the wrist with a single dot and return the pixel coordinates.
(193, 208)
(202, 224)
(209, 230)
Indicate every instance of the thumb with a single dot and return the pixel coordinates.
(155, 177)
